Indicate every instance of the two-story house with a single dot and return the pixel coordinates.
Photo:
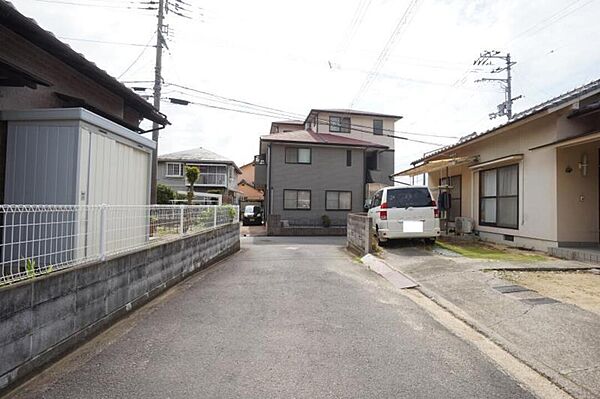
(218, 175)
(329, 167)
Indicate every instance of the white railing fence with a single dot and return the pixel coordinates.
(38, 239)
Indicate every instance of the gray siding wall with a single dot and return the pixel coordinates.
(385, 168)
(328, 171)
(176, 183)
(41, 163)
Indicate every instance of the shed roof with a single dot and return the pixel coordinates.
(558, 101)
(32, 32)
(310, 137)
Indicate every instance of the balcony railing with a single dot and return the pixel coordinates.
(211, 179)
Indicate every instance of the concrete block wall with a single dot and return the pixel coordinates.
(275, 228)
(359, 236)
(44, 317)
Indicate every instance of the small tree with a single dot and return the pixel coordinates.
(191, 174)
(164, 194)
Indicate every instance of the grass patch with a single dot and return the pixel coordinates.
(483, 251)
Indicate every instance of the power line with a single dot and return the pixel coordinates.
(279, 113)
(102, 41)
(95, 5)
(138, 57)
(359, 15)
(403, 22)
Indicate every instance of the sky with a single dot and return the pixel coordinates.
(298, 55)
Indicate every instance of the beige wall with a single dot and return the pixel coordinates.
(247, 173)
(577, 195)
(367, 121)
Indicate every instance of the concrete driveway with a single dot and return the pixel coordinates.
(285, 317)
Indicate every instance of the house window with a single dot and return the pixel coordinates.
(454, 184)
(339, 124)
(296, 199)
(174, 169)
(348, 157)
(378, 127)
(297, 155)
(338, 200)
(499, 197)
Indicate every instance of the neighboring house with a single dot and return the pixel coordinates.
(328, 168)
(531, 182)
(66, 125)
(218, 175)
(249, 194)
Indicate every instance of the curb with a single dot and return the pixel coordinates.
(538, 269)
(393, 276)
(552, 375)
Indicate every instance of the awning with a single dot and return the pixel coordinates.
(497, 162)
(570, 141)
(435, 165)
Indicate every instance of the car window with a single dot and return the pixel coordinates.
(249, 209)
(408, 197)
(256, 210)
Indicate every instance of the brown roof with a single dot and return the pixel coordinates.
(310, 137)
(31, 31)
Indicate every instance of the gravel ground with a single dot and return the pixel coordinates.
(580, 288)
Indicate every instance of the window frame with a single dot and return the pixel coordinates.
(343, 126)
(348, 158)
(285, 155)
(338, 200)
(174, 163)
(297, 190)
(497, 197)
(379, 130)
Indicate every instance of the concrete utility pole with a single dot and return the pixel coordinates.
(157, 89)
(504, 109)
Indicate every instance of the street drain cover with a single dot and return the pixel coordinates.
(539, 301)
(507, 289)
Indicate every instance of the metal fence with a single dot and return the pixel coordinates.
(39, 239)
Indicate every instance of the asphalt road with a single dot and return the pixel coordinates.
(283, 318)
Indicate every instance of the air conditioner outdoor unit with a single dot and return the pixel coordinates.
(463, 225)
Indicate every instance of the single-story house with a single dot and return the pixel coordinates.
(531, 182)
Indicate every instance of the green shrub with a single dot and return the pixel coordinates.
(164, 194)
(326, 221)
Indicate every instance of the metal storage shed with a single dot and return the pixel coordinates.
(74, 157)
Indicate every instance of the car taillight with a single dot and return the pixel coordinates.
(383, 214)
(436, 213)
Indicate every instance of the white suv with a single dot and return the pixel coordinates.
(404, 212)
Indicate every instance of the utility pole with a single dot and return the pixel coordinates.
(157, 90)
(504, 109)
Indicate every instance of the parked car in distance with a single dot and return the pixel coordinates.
(404, 212)
(252, 215)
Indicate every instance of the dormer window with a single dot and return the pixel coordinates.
(339, 124)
